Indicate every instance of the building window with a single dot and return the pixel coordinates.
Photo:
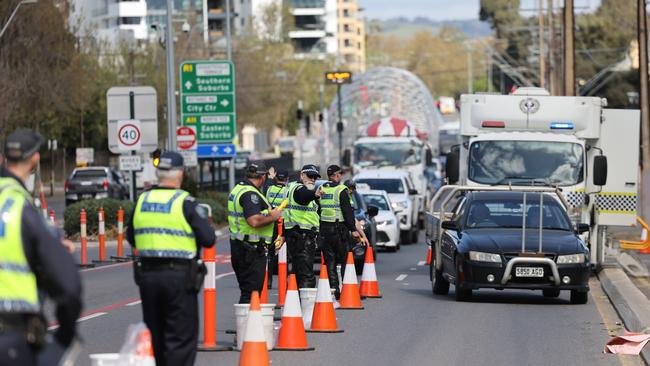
(130, 20)
(359, 45)
(243, 22)
(347, 43)
(346, 13)
(346, 28)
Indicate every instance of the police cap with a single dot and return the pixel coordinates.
(22, 144)
(256, 168)
(170, 160)
(310, 170)
(333, 169)
(282, 174)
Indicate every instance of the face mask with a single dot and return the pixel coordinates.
(31, 183)
(310, 185)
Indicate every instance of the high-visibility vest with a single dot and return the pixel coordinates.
(18, 289)
(330, 204)
(239, 227)
(305, 217)
(160, 227)
(276, 194)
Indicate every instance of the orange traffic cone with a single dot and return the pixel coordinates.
(350, 298)
(369, 284)
(324, 319)
(264, 298)
(644, 237)
(254, 352)
(292, 336)
(429, 254)
(144, 347)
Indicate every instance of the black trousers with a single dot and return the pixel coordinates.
(170, 311)
(249, 263)
(14, 350)
(333, 242)
(301, 246)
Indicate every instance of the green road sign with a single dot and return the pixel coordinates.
(208, 99)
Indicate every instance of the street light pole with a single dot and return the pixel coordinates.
(231, 166)
(171, 82)
(11, 17)
(339, 125)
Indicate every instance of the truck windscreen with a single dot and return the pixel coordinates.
(526, 162)
(387, 154)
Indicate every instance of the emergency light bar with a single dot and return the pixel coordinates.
(493, 124)
(562, 126)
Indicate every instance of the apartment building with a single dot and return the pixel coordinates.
(351, 35)
(110, 20)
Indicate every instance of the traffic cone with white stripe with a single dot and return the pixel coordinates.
(292, 336)
(324, 319)
(369, 284)
(254, 352)
(350, 298)
(429, 255)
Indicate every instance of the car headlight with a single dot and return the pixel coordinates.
(387, 222)
(484, 257)
(571, 259)
(399, 205)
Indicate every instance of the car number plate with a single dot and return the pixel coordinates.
(529, 272)
(86, 183)
(87, 195)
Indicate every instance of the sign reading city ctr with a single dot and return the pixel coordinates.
(208, 99)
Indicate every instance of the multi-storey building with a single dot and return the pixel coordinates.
(111, 20)
(351, 35)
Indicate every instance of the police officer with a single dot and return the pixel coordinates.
(251, 220)
(301, 225)
(33, 259)
(275, 194)
(336, 225)
(168, 228)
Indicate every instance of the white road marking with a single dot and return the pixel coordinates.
(91, 316)
(53, 327)
(218, 277)
(421, 263)
(401, 277)
(413, 269)
(137, 302)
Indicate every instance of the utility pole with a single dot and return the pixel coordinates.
(569, 49)
(540, 32)
(231, 166)
(551, 46)
(171, 81)
(489, 70)
(644, 105)
(470, 76)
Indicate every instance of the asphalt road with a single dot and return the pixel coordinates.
(409, 326)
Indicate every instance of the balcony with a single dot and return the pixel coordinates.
(307, 34)
(307, 4)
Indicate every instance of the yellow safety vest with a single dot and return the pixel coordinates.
(305, 217)
(276, 194)
(330, 203)
(239, 227)
(160, 228)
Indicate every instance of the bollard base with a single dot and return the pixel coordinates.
(96, 261)
(293, 349)
(372, 297)
(359, 308)
(87, 265)
(215, 348)
(325, 331)
(120, 259)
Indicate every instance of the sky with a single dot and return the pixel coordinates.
(439, 9)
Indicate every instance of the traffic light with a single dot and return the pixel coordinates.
(155, 157)
(338, 77)
(307, 123)
(299, 114)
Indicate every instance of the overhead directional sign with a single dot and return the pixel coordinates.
(216, 151)
(208, 100)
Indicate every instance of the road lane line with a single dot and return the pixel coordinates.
(137, 302)
(91, 316)
(421, 263)
(218, 277)
(401, 277)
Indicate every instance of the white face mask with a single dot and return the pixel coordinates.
(30, 184)
(310, 185)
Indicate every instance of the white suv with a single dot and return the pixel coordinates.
(403, 196)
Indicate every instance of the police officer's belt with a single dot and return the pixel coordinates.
(158, 264)
(12, 323)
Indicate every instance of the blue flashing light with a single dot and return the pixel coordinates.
(562, 126)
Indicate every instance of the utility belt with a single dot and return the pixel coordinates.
(297, 230)
(195, 269)
(33, 326)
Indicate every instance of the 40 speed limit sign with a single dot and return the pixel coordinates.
(129, 135)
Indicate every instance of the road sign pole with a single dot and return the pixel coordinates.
(171, 84)
(132, 189)
(339, 125)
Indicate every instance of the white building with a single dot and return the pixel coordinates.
(316, 26)
(110, 20)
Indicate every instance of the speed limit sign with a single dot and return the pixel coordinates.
(129, 135)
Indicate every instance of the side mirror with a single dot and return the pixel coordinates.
(450, 225)
(428, 156)
(373, 211)
(582, 228)
(600, 170)
(452, 167)
(347, 158)
(413, 192)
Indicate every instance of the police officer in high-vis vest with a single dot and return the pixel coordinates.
(251, 220)
(33, 262)
(275, 194)
(301, 225)
(168, 228)
(336, 224)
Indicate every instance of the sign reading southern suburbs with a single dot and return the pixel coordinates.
(208, 99)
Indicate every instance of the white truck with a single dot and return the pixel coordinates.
(530, 138)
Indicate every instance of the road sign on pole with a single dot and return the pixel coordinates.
(186, 142)
(129, 135)
(132, 103)
(208, 100)
(216, 151)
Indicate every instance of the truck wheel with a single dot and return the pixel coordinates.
(551, 293)
(579, 297)
(439, 285)
(405, 237)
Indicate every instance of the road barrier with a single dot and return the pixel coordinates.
(254, 352)
(43, 201)
(369, 284)
(292, 336)
(52, 217)
(429, 255)
(642, 246)
(350, 297)
(84, 240)
(101, 236)
(324, 318)
(282, 268)
(120, 237)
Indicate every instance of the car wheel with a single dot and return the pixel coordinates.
(398, 247)
(579, 297)
(439, 285)
(405, 237)
(551, 293)
(415, 233)
(463, 294)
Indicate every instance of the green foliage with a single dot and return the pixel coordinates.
(219, 203)
(189, 184)
(72, 214)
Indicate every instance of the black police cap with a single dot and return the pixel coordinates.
(333, 169)
(310, 170)
(170, 160)
(282, 174)
(22, 144)
(256, 167)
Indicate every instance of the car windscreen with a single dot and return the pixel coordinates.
(376, 200)
(89, 174)
(388, 185)
(508, 213)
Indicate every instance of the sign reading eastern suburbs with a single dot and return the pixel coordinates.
(208, 99)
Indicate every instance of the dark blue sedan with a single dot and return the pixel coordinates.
(494, 240)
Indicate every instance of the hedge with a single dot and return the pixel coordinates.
(219, 203)
(72, 214)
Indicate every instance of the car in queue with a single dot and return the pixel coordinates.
(387, 224)
(511, 240)
(95, 183)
